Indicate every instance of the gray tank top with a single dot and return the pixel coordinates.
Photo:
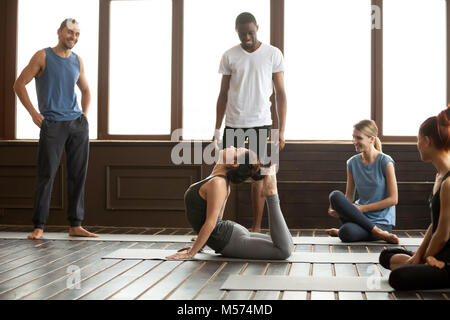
(196, 215)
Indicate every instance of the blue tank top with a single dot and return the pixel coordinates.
(370, 182)
(55, 88)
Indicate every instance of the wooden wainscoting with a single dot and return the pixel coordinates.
(136, 184)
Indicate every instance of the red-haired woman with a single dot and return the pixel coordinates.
(429, 266)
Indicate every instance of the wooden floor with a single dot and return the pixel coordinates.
(46, 269)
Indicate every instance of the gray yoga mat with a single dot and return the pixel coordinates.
(311, 283)
(336, 241)
(306, 283)
(305, 257)
(187, 238)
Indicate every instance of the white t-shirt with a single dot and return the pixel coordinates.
(251, 84)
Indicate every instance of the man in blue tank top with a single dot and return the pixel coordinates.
(64, 126)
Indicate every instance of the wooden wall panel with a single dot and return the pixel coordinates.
(136, 184)
(149, 188)
(309, 172)
(305, 204)
(17, 185)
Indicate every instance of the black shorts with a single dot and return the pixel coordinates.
(255, 137)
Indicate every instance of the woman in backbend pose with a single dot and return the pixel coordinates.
(429, 266)
(205, 203)
(372, 173)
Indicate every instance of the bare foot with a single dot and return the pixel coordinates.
(36, 234)
(80, 232)
(333, 212)
(391, 238)
(254, 229)
(332, 232)
(432, 261)
(386, 236)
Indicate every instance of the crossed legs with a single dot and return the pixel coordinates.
(435, 274)
(356, 226)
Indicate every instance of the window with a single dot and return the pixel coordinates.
(327, 50)
(140, 67)
(209, 30)
(414, 64)
(38, 22)
(328, 59)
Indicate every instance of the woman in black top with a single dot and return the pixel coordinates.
(205, 203)
(429, 266)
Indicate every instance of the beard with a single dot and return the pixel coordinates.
(67, 45)
(250, 46)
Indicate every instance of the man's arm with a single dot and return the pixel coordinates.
(34, 67)
(221, 104)
(274, 112)
(84, 88)
(281, 104)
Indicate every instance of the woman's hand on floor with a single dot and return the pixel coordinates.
(181, 255)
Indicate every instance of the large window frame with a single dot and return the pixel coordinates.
(8, 72)
(176, 74)
(377, 77)
(276, 35)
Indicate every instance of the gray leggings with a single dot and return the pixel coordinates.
(249, 245)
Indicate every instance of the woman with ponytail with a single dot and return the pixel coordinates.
(372, 174)
(205, 203)
(429, 266)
